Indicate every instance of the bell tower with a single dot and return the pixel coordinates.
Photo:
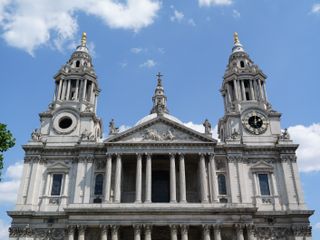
(249, 117)
(71, 117)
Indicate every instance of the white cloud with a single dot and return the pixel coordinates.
(191, 22)
(123, 128)
(316, 8)
(29, 24)
(208, 3)
(317, 226)
(236, 14)
(4, 234)
(177, 16)
(309, 151)
(136, 50)
(10, 184)
(148, 64)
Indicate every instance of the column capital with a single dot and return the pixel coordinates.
(139, 155)
(172, 155)
(239, 227)
(81, 228)
(70, 229)
(181, 155)
(137, 228)
(206, 227)
(114, 229)
(104, 228)
(173, 227)
(118, 155)
(147, 228)
(184, 228)
(216, 227)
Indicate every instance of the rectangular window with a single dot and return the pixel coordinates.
(56, 184)
(264, 184)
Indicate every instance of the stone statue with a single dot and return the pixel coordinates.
(207, 127)
(112, 128)
(36, 135)
(285, 135)
(235, 134)
(168, 135)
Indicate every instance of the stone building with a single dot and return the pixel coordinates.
(160, 180)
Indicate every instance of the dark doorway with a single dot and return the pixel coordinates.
(160, 186)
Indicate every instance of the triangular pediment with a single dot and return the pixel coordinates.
(262, 166)
(160, 129)
(58, 167)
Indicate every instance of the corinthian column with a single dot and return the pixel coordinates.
(71, 232)
(184, 232)
(213, 179)
(204, 181)
(139, 178)
(148, 179)
(206, 232)
(82, 231)
(173, 193)
(239, 230)
(114, 232)
(104, 232)
(117, 194)
(250, 232)
(108, 178)
(147, 232)
(182, 176)
(137, 232)
(217, 232)
(174, 232)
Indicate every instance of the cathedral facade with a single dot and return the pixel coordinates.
(160, 180)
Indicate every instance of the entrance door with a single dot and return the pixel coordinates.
(160, 186)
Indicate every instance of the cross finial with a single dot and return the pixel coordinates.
(84, 39)
(159, 75)
(236, 38)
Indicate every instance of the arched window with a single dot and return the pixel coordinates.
(242, 64)
(77, 63)
(222, 186)
(98, 184)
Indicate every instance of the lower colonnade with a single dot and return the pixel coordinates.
(149, 232)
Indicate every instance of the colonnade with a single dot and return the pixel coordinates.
(181, 231)
(204, 168)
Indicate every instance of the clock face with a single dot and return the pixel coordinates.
(255, 122)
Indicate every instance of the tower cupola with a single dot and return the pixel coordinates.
(159, 98)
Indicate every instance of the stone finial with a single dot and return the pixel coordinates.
(236, 38)
(84, 39)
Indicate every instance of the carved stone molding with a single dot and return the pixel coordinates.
(39, 233)
(235, 158)
(288, 158)
(302, 230)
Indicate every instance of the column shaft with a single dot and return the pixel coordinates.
(114, 232)
(173, 231)
(182, 174)
(137, 232)
(71, 233)
(251, 90)
(184, 232)
(117, 197)
(206, 232)
(204, 181)
(240, 233)
(214, 179)
(244, 97)
(217, 233)
(173, 192)
(148, 179)
(235, 89)
(147, 233)
(104, 233)
(139, 178)
(82, 231)
(108, 178)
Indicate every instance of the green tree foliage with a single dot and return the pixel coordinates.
(6, 141)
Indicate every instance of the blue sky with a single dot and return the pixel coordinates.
(188, 41)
